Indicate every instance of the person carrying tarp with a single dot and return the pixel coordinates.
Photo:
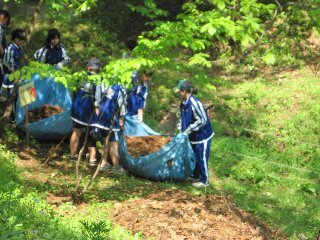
(82, 112)
(137, 97)
(196, 123)
(110, 107)
(53, 51)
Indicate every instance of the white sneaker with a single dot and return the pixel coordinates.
(200, 184)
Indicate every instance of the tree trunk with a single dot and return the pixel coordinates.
(33, 21)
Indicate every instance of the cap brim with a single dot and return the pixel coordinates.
(176, 90)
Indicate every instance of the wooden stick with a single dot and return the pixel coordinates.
(27, 128)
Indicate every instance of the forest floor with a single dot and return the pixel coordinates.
(160, 210)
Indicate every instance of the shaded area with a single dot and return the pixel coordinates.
(43, 112)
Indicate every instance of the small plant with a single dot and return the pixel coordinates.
(96, 230)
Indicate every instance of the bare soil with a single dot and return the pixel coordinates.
(43, 112)
(179, 215)
(142, 146)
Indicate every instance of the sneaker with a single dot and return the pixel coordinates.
(119, 170)
(93, 163)
(74, 158)
(200, 184)
(192, 179)
(105, 168)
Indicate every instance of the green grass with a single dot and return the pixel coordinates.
(274, 123)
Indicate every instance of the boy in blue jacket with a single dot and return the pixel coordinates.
(110, 106)
(13, 56)
(196, 123)
(82, 113)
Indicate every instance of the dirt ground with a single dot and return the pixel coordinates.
(43, 112)
(142, 146)
(180, 216)
(165, 215)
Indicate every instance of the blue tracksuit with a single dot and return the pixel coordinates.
(53, 55)
(109, 100)
(195, 121)
(137, 97)
(12, 61)
(83, 104)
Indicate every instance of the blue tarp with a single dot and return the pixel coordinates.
(132, 127)
(174, 161)
(52, 93)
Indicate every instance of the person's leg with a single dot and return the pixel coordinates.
(114, 153)
(74, 140)
(202, 157)
(114, 150)
(92, 148)
(196, 172)
(105, 151)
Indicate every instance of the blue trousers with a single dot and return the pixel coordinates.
(202, 153)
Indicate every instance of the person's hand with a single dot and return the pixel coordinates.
(140, 116)
(121, 127)
(59, 65)
(187, 131)
(97, 111)
(179, 126)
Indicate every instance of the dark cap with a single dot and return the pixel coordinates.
(183, 85)
(94, 63)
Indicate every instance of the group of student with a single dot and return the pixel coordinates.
(103, 108)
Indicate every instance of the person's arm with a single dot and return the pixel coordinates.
(65, 58)
(40, 54)
(199, 115)
(97, 98)
(142, 102)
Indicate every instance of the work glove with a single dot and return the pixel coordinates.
(179, 126)
(59, 65)
(188, 131)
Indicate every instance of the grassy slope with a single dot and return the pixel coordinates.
(286, 109)
(285, 112)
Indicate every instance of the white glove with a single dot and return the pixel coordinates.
(179, 126)
(59, 65)
(188, 131)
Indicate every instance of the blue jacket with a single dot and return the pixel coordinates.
(195, 120)
(12, 58)
(53, 55)
(109, 100)
(137, 98)
(83, 103)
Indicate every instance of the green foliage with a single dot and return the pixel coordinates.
(96, 230)
(149, 9)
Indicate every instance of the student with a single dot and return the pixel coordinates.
(82, 113)
(195, 122)
(137, 97)
(53, 52)
(13, 56)
(4, 23)
(110, 106)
